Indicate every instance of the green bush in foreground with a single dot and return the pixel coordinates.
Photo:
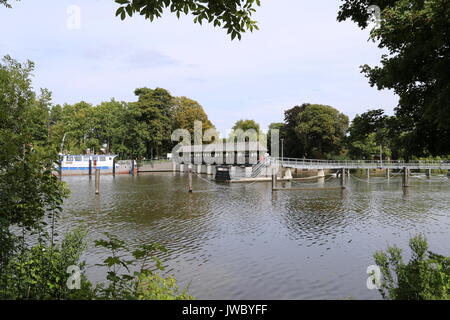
(43, 272)
(425, 277)
(40, 272)
(142, 284)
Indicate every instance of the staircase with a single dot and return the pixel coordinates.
(257, 168)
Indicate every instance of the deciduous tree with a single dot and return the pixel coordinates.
(416, 36)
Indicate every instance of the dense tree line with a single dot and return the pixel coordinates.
(136, 130)
(322, 132)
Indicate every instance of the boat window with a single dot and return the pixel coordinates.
(102, 159)
(69, 158)
(94, 158)
(86, 158)
(78, 158)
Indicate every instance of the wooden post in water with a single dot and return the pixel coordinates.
(342, 176)
(368, 174)
(97, 181)
(190, 180)
(114, 167)
(90, 167)
(388, 173)
(274, 179)
(405, 177)
(428, 173)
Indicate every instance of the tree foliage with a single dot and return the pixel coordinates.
(235, 16)
(231, 15)
(28, 189)
(321, 129)
(140, 129)
(6, 3)
(425, 277)
(368, 133)
(313, 131)
(186, 112)
(247, 125)
(416, 34)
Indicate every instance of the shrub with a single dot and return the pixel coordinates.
(40, 272)
(425, 277)
(143, 284)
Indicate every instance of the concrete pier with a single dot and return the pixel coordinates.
(288, 174)
(321, 173)
(248, 172)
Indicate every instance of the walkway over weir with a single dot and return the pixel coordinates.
(296, 163)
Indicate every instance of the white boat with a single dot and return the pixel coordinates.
(81, 164)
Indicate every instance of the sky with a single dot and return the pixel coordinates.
(301, 54)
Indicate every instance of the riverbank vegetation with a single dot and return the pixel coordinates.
(321, 132)
(33, 265)
(132, 130)
(425, 277)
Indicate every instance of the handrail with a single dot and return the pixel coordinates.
(256, 170)
(374, 163)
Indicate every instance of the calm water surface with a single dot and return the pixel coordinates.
(243, 242)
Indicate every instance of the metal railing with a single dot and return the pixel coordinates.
(256, 170)
(296, 162)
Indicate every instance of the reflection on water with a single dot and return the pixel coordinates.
(245, 242)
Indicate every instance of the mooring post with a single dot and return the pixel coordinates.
(60, 168)
(190, 180)
(97, 181)
(274, 179)
(342, 176)
(368, 174)
(428, 173)
(114, 167)
(388, 173)
(405, 177)
(132, 167)
(90, 167)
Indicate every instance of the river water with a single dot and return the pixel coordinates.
(244, 242)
